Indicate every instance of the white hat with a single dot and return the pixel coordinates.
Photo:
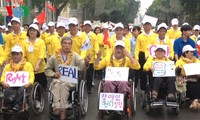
(51, 24)
(3, 27)
(15, 19)
(87, 22)
(185, 23)
(73, 20)
(105, 26)
(162, 25)
(9, 24)
(34, 26)
(16, 48)
(146, 21)
(119, 25)
(160, 47)
(196, 27)
(35, 21)
(174, 21)
(60, 24)
(120, 43)
(187, 48)
(110, 27)
(6, 29)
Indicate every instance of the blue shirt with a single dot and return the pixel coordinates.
(1, 39)
(179, 44)
(133, 43)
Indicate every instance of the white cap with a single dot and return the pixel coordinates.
(73, 20)
(159, 47)
(185, 23)
(15, 19)
(60, 24)
(35, 21)
(119, 25)
(162, 25)
(16, 48)
(187, 48)
(174, 21)
(105, 26)
(110, 27)
(51, 24)
(120, 43)
(6, 29)
(9, 24)
(34, 26)
(196, 27)
(87, 22)
(3, 27)
(146, 21)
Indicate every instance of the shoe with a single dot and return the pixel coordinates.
(16, 108)
(37, 104)
(56, 111)
(194, 104)
(93, 84)
(62, 115)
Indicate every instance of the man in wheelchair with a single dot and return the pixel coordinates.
(158, 81)
(119, 58)
(14, 95)
(60, 89)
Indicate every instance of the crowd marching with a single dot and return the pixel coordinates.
(39, 49)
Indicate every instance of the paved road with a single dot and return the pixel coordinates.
(158, 114)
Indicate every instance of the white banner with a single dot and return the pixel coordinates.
(63, 19)
(17, 79)
(164, 69)
(117, 74)
(68, 73)
(111, 101)
(192, 69)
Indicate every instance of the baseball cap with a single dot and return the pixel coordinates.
(174, 21)
(35, 21)
(15, 19)
(196, 27)
(87, 22)
(73, 20)
(51, 24)
(159, 47)
(188, 48)
(16, 48)
(34, 26)
(162, 25)
(60, 24)
(105, 26)
(120, 43)
(9, 24)
(119, 25)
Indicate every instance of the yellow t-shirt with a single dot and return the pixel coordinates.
(35, 51)
(48, 43)
(195, 38)
(2, 55)
(173, 34)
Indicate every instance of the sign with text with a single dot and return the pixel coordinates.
(68, 73)
(63, 19)
(17, 79)
(192, 69)
(111, 101)
(117, 74)
(164, 69)
(152, 49)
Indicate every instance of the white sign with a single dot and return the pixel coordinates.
(150, 19)
(86, 45)
(192, 69)
(152, 49)
(68, 73)
(111, 101)
(17, 79)
(63, 19)
(117, 74)
(164, 69)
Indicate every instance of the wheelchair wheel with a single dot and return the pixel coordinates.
(37, 95)
(83, 95)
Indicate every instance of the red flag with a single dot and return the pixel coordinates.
(8, 0)
(105, 39)
(9, 10)
(19, 1)
(50, 7)
(41, 17)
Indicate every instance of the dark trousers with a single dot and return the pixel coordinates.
(89, 76)
(158, 81)
(134, 75)
(142, 73)
(42, 79)
(193, 90)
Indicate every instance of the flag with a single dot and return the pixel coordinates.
(105, 39)
(8, 0)
(9, 10)
(41, 17)
(50, 7)
(86, 45)
(26, 10)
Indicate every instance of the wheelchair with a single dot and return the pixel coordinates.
(78, 98)
(148, 104)
(129, 102)
(30, 96)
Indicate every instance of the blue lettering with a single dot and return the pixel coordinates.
(65, 71)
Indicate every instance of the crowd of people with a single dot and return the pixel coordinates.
(39, 49)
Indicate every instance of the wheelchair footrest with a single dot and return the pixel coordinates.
(172, 104)
(157, 104)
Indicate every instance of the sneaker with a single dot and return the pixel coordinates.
(37, 104)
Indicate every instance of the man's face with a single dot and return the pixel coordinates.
(60, 31)
(66, 45)
(33, 33)
(118, 52)
(147, 27)
(190, 54)
(126, 31)
(175, 27)
(73, 29)
(16, 56)
(15, 25)
(162, 32)
(187, 33)
(160, 53)
(196, 32)
(135, 33)
(51, 29)
(87, 28)
(119, 32)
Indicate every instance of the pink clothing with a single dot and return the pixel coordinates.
(116, 87)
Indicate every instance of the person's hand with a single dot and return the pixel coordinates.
(152, 69)
(27, 85)
(87, 60)
(5, 85)
(37, 67)
(99, 54)
(126, 52)
(57, 75)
